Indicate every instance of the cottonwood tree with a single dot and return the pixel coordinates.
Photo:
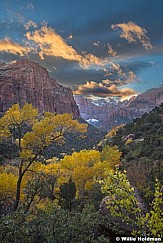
(88, 166)
(42, 130)
(80, 168)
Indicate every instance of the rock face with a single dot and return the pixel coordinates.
(27, 82)
(106, 114)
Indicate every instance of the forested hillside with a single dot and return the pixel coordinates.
(43, 198)
(141, 143)
(85, 196)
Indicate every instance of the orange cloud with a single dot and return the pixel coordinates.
(133, 32)
(111, 52)
(130, 77)
(52, 44)
(7, 45)
(123, 76)
(102, 90)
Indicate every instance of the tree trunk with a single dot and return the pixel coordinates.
(18, 187)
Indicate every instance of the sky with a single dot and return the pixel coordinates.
(99, 48)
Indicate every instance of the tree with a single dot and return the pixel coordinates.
(125, 206)
(7, 190)
(67, 194)
(52, 224)
(111, 155)
(88, 166)
(42, 130)
(80, 168)
(41, 183)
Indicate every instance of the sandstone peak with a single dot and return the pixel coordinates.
(26, 81)
(114, 114)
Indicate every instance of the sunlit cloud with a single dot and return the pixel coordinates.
(111, 52)
(122, 76)
(29, 24)
(106, 82)
(46, 42)
(133, 33)
(7, 45)
(90, 59)
(52, 44)
(115, 67)
(131, 77)
(103, 90)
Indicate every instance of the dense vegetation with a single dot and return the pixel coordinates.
(141, 144)
(52, 199)
(75, 142)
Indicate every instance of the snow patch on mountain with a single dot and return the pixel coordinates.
(92, 120)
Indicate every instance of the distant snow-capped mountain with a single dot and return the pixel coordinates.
(104, 114)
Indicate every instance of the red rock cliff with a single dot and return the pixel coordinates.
(105, 115)
(27, 82)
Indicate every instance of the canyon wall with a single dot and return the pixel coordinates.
(28, 82)
(106, 114)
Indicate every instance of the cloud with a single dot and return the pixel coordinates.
(52, 44)
(29, 6)
(46, 42)
(115, 67)
(70, 37)
(120, 75)
(116, 82)
(7, 45)
(106, 82)
(90, 59)
(96, 43)
(131, 77)
(103, 90)
(29, 24)
(19, 18)
(111, 52)
(133, 33)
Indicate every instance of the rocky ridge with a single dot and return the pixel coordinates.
(27, 82)
(106, 114)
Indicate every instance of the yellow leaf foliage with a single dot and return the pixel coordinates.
(50, 128)
(86, 166)
(7, 186)
(52, 168)
(111, 155)
(17, 116)
(4, 131)
(80, 167)
(43, 130)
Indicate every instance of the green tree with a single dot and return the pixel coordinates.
(123, 204)
(52, 224)
(67, 194)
